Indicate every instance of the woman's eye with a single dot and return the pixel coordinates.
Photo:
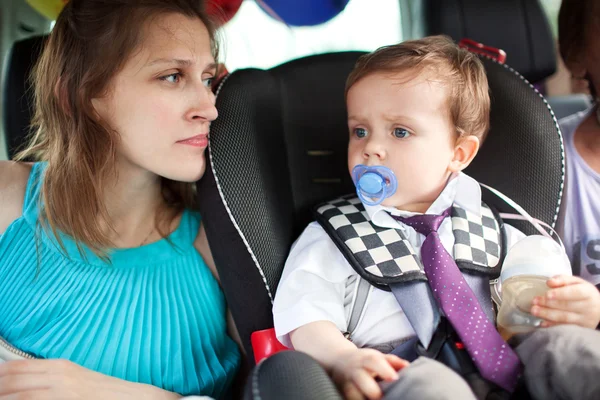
(208, 81)
(360, 132)
(401, 133)
(172, 78)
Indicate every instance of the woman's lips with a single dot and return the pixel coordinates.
(196, 141)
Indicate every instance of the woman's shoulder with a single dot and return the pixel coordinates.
(13, 183)
(571, 122)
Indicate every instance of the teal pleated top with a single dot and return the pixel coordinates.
(154, 315)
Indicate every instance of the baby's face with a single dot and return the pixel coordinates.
(402, 121)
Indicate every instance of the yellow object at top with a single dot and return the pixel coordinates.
(48, 8)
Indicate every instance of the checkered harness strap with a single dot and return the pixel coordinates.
(383, 255)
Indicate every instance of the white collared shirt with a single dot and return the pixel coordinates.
(313, 284)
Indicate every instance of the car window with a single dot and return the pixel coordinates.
(552, 7)
(255, 39)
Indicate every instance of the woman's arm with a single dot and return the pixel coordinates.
(13, 181)
(61, 379)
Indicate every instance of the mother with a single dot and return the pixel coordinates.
(103, 260)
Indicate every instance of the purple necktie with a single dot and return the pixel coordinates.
(496, 361)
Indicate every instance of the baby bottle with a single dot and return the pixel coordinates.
(527, 267)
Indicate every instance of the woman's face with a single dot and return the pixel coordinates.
(588, 62)
(161, 103)
(592, 61)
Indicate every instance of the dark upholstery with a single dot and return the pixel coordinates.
(270, 123)
(18, 99)
(290, 375)
(279, 147)
(519, 27)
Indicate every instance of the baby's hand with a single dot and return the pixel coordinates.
(570, 300)
(356, 370)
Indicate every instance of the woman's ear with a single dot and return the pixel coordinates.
(465, 150)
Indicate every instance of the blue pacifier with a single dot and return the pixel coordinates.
(374, 184)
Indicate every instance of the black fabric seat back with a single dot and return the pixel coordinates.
(18, 98)
(519, 27)
(279, 147)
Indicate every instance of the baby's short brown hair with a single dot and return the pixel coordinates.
(458, 69)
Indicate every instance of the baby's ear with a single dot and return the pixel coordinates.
(465, 150)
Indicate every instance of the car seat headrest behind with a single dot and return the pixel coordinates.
(18, 98)
(519, 27)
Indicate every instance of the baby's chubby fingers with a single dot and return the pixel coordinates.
(378, 365)
(577, 306)
(571, 300)
(396, 362)
(565, 290)
(564, 280)
(351, 392)
(556, 316)
(366, 384)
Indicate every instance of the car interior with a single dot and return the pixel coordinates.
(278, 148)
(257, 215)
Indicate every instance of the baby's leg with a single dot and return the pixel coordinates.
(426, 379)
(562, 362)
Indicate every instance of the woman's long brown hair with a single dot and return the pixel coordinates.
(90, 43)
(578, 25)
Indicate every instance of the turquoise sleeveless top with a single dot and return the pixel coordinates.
(154, 315)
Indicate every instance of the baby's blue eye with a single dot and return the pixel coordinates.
(401, 133)
(360, 132)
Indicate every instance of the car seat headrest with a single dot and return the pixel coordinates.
(18, 98)
(519, 27)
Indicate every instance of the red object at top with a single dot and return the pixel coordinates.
(479, 48)
(222, 72)
(222, 10)
(265, 344)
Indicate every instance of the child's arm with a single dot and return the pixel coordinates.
(309, 315)
(571, 300)
(354, 370)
